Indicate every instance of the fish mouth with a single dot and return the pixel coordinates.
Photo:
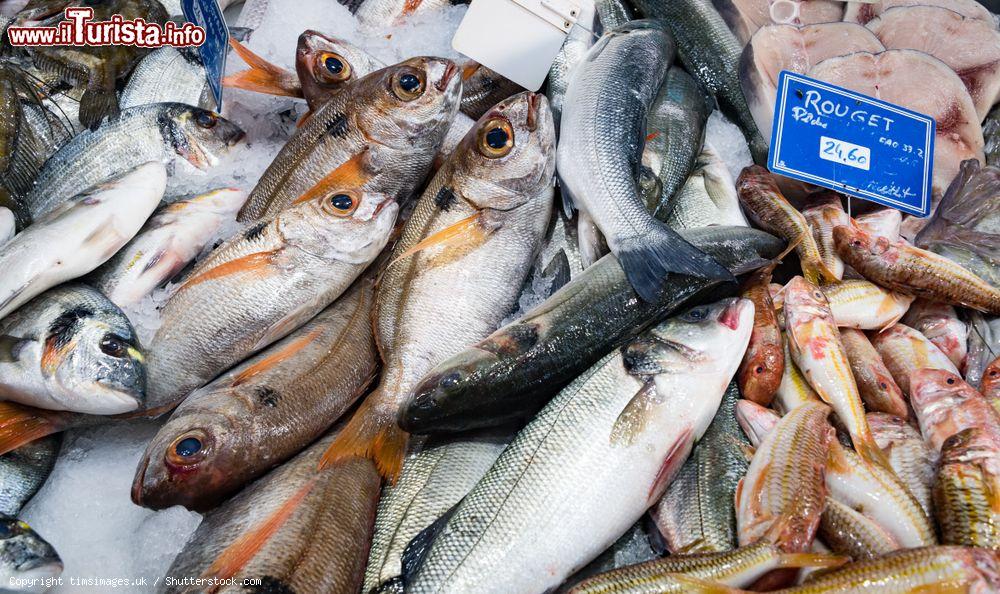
(139, 481)
(382, 205)
(534, 103)
(730, 317)
(40, 568)
(113, 400)
(449, 72)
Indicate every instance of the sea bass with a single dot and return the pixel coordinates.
(599, 455)
(382, 131)
(79, 237)
(263, 284)
(169, 241)
(71, 349)
(599, 156)
(263, 411)
(136, 136)
(516, 370)
(470, 242)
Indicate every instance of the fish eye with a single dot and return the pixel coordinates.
(993, 373)
(342, 204)
(759, 369)
(451, 380)
(187, 449)
(113, 346)
(496, 138)
(334, 67)
(697, 314)
(817, 295)
(950, 381)
(206, 119)
(408, 85)
(883, 385)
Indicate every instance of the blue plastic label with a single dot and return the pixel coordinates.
(208, 15)
(855, 144)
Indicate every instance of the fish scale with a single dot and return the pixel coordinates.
(910, 457)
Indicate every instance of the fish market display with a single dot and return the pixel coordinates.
(82, 235)
(72, 349)
(292, 529)
(864, 305)
(518, 368)
(598, 155)
(469, 242)
(906, 351)
(261, 412)
(595, 458)
(168, 242)
(136, 136)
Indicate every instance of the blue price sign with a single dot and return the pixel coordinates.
(852, 143)
(208, 15)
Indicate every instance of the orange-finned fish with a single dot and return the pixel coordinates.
(816, 348)
(945, 405)
(908, 269)
(864, 305)
(904, 350)
(824, 213)
(941, 325)
(879, 391)
(459, 265)
(763, 202)
(794, 390)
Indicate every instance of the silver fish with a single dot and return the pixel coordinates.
(168, 75)
(24, 471)
(598, 155)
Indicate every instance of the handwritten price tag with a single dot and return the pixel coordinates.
(852, 143)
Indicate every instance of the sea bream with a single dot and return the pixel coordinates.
(599, 156)
(71, 349)
(80, 236)
(263, 411)
(382, 131)
(262, 284)
(595, 458)
(470, 242)
(889, 76)
(137, 135)
(169, 241)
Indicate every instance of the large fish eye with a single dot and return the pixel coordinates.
(408, 84)
(187, 449)
(342, 204)
(206, 119)
(114, 346)
(496, 138)
(334, 68)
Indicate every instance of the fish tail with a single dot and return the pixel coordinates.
(98, 102)
(793, 560)
(869, 451)
(263, 76)
(648, 258)
(243, 549)
(370, 434)
(818, 273)
(20, 425)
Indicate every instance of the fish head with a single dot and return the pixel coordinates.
(759, 376)
(325, 63)
(935, 395)
(95, 360)
(804, 303)
(200, 136)
(508, 157)
(414, 102)
(755, 420)
(991, 378)
(975, 446)
(855, 244)
(348, 225)
(24, 554)
(703, 340)
(193, 461)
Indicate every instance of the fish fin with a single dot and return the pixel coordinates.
(242, 550)
(869, 451)
(10, 347)
(257, 263)
(559, 271)
(350, 174)
(747, 450)
(632, 420)
(818, 273)
(263, 76)
(274, 359)
(21, 424)
(468, 230)
(566, 198)
(370, 434)
(97, 103)
(416, 550)
(791, 560)
(672, 463)
(750, 266)
(647, 259)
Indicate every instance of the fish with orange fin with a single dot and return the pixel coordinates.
(263, 411)
(945, 404)
(907, 269)
(263, 284)
(764, 203)
(864, 305)
(764, 362)
(816, 348)
(826, 211)
(293, 529)
(878, 390)
(383, 131)
(458, 268)
(904, 351)
(783, 494)
(263, 76)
